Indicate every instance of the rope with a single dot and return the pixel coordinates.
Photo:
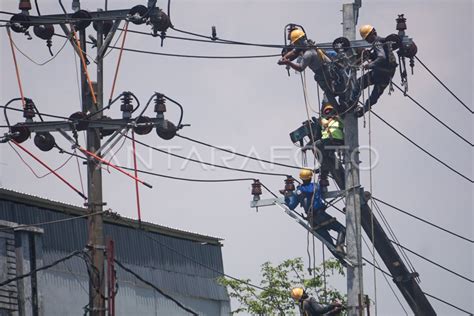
(118, 61)
(372, 206)
(84, 66)
(324, 273)
(136, 177)
(16, 67)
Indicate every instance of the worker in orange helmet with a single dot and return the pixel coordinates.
(309, 306)
(381, 68)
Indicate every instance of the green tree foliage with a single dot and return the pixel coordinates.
(277, 282)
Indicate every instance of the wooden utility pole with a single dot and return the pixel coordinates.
(355, 289)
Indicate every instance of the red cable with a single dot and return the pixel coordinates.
(49, 168)
(88, 153)
(16, 68)
(136, 176)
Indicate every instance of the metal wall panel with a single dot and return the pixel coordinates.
(184, 268)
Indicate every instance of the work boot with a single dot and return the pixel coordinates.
(340, 250)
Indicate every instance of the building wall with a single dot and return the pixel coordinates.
(184, 267)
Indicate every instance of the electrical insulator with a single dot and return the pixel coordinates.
(412, 64)
(127, 106)
(401, 23)
(25, 5)
(29, 110)
(137, 14)
(19, 23)
(44, 141)
(79, 119)
(160, 23)
(106, 132)
(85, 19)
(160, 106)
(289, 184)
(256, 190)
(144, 125)
(20, 133)
(45, 32)
(106, 26)
(166, 130)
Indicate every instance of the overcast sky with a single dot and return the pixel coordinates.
(252, 105)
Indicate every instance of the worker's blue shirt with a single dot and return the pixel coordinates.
(303, 196)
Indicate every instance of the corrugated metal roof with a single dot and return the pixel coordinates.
(36, 201)
(180, 262)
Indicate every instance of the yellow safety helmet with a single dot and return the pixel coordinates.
(297, 293)
(365, 30)
(306, 174)
(327, 108)
(295, 35)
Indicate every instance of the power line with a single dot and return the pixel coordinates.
(208, 163)
(52, 222)
(423, 220)
(439, 80)
(155, 288)
(432, 262)
(432, 115)
(62, 151)
(422, 149)
(427, 294)
(236, 153)
(447, 303)
(20, 277)
(188, 56)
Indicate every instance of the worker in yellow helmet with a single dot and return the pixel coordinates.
(309, 306)
(381, 68)
(311, 57)
(309, 196)
(332, 137)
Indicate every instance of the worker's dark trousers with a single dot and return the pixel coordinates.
(319, 218)
(327, 158)
(380, 79)
(328, 93)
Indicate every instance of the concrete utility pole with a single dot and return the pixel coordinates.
(355, 289)
(94, 184)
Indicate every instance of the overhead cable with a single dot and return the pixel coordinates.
(155, 288)
(422, 149)
(439, 80)
(236, 153)
(423, 220)
(52, 264)
(207, 163)
(433, 116)
(432, 262)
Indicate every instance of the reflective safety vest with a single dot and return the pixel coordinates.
(332, 128)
